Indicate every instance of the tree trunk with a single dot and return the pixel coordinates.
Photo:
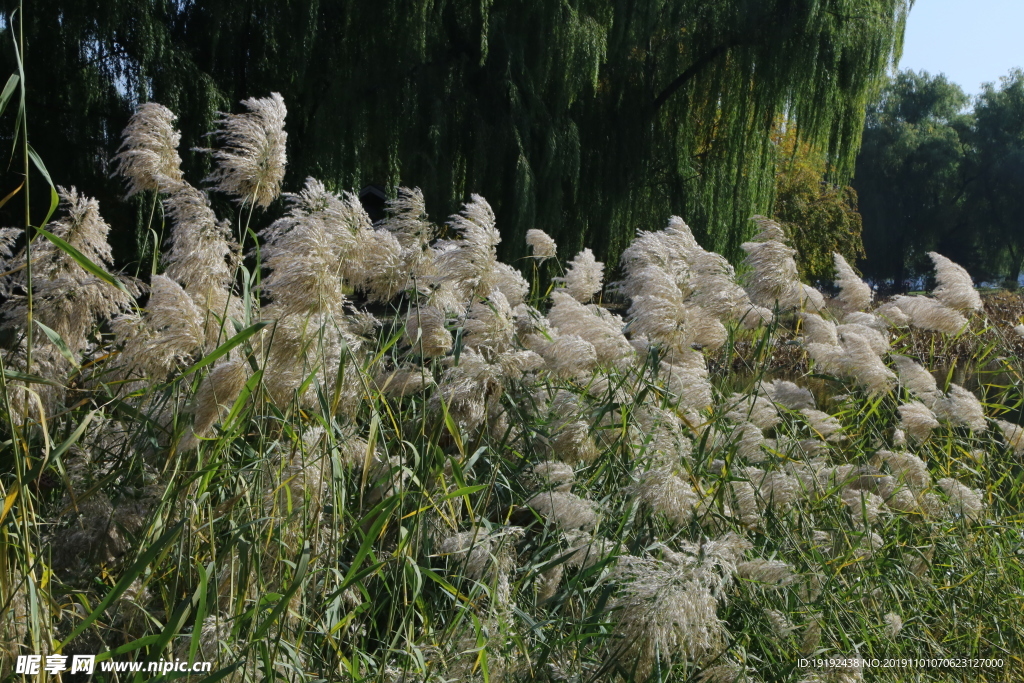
(1013, 280)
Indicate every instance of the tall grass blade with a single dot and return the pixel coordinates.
(5, 96)
(59, 342)
(126, 580)
(82, 260)
(282, 604)
(223, 349)
(54, 198)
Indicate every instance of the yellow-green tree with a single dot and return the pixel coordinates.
(820, 216)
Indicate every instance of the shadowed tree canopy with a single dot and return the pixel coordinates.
(994, 196)
(589, 119)
(911, 176)
(934, 175)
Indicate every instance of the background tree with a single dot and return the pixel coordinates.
(911, 176)
(87, 66)
(586, 118)
(820, 216)
(994, 202)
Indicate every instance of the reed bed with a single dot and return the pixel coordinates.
(323, 449)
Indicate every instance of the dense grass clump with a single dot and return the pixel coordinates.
(323, 449)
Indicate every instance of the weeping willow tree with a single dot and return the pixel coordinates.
(87, 65)
(589, 119)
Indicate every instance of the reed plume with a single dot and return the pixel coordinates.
(251, 165)
(541, 244)
(955, 288)
(854, 294)
(584, 277)
(148, 157)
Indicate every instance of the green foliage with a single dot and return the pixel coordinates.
(994, 201)
(932, 176)
(588, 119)
(910, 173)
(820, 216)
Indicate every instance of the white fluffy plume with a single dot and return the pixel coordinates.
(955, 288)
(148, 158)
(854, 293)
(251, 165)
(584, 276)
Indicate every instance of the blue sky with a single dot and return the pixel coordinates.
(971, 41)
